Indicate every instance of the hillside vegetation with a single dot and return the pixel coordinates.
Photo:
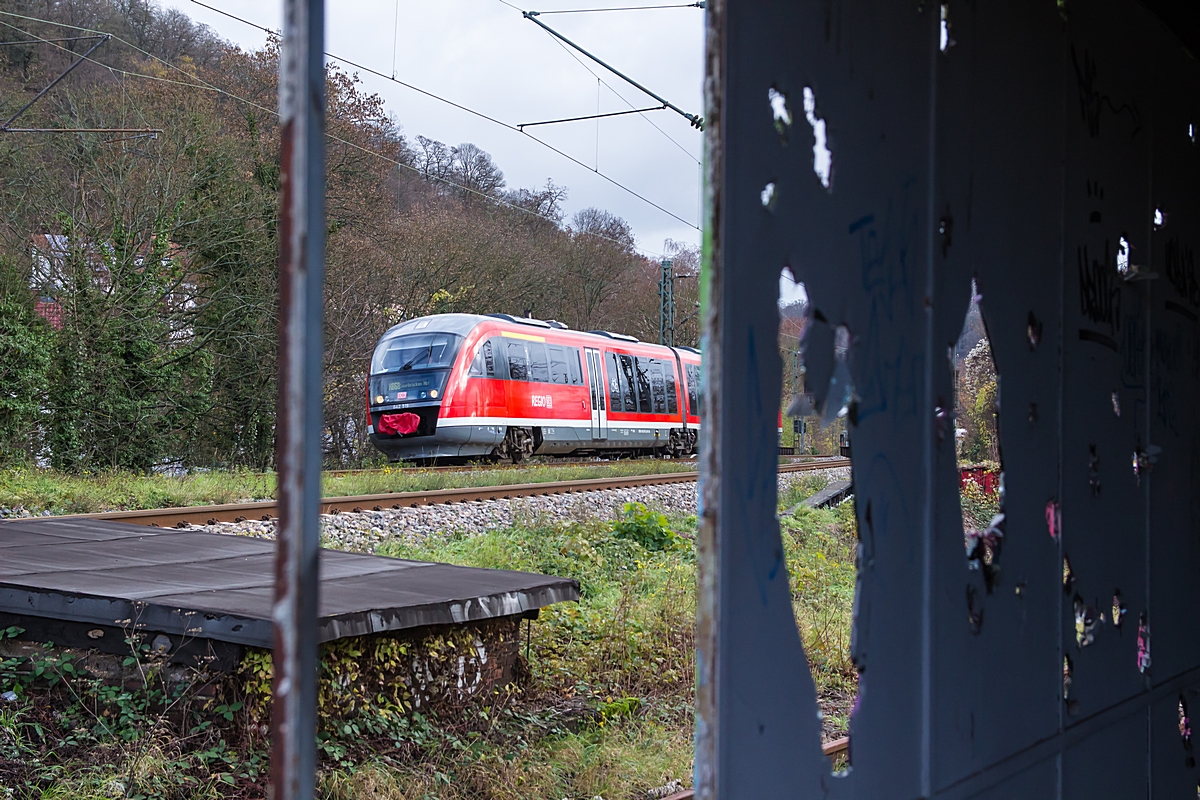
(138, 272)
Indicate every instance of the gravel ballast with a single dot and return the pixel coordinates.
(365, 530)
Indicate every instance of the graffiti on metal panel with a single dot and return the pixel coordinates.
(1092, 102)
(765, 545)
(1169, 358)
(1099, 289)
(888, 373)
(1179, 263)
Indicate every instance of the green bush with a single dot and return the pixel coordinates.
(26, 345)
(648, 528)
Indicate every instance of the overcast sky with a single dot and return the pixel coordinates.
(484, 55)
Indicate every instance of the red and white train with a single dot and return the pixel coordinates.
(462, 386)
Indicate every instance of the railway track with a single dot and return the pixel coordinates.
(340, 473)
(266, 510)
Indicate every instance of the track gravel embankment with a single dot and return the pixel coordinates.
(365, 530)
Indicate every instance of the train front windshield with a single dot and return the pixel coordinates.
(412, 368)
(415, 351)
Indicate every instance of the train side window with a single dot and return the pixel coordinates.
(500, 367)
(599, 379)
(693, 380)
(672, 398)
(614, 382)
(657, 386)
(643, 384)
(518, 365)
(484, 363)
(539, 368)
(558, 365)
(573, 365)
(628, 383)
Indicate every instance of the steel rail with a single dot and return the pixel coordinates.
(268, 509)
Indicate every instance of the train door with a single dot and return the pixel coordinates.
(596, 387)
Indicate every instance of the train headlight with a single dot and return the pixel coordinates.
(378, 398)
(433, 392)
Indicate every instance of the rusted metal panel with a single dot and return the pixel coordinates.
(1036, 150)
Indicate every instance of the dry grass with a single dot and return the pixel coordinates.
(69, 493)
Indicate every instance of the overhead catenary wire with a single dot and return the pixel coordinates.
(471, 111)
(204, 85)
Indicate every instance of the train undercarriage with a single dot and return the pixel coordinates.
(515, 444)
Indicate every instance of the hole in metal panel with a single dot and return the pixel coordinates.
(780, 111)
(1123, 256)
(974, 610)
(1068, 675)
(826, 611)
(1053, 519)
(840, 397)
(975, 422)
(807, 432)
(822, 155)
(946, 231)
(1144, 459)
(1116, 403)
(1118, 609)
(944, 41)
(1160, 219)
(1143, 643)
(1087, 622)
(1068, 575)
(1093, 470)
(1185, 724)
(768, 196)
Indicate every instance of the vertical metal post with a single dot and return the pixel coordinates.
(662, 302)
(299, 413)
(670, 276)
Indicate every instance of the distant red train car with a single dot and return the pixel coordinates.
(463, 386)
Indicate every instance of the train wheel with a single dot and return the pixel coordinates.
(518, 445)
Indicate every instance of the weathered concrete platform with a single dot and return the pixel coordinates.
(92, 582)
(832, 494)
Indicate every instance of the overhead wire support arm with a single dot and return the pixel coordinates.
(54, 82)
(696, 121)
(50, 41)
(5, 128)
(623, 8)
(524, 125)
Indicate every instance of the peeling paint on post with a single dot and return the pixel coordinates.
(298, 415)
(707, 609)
